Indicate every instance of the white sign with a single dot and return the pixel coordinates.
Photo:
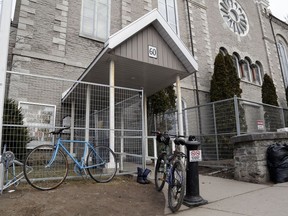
(152, 52)
(260, 124)
(195, 155)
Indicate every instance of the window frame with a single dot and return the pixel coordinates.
(237, 66)
(259, 72)
(246, 74)
(35, 127)
(166, 16)
(108, 22)
(283, 55)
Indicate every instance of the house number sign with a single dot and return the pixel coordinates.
(152, 52)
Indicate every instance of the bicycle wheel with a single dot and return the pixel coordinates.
(101, 163)
(176, 188)
(160, 175)
(41, 176)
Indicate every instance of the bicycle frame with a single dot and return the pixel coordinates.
(16, 178)
(169, 174)
(82, 163)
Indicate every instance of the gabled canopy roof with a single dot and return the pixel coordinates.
(128, 48)
(166, 32)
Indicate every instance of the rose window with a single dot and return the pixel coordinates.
(234, 16)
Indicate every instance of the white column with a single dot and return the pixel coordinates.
(112, 105)
(179, 108)
(5, 17)
(87, 118)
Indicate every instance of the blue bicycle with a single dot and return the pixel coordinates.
(50, 165)
(170, 168)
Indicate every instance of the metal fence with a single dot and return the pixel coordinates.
(215, 123)
(36, 105)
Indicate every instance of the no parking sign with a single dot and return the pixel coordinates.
(195, 155)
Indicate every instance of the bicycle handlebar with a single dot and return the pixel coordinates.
(59, 131)
(170, 135)
(165, 138)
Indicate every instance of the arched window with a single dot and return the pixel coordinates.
(259, 74)
(283, 60)
(236, 59)
(245, 69)
(223, 51)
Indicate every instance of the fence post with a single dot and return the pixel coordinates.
(215, 129)
(283, 117)
(143, 97)
(237, 115)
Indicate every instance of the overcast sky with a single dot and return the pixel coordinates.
(279, 8)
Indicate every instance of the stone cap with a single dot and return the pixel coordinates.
(259, 136)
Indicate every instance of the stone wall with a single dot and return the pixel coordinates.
(250, 155)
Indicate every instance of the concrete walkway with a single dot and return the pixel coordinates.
(233, 198)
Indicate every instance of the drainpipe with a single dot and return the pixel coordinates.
(195, 74)
(192, 50)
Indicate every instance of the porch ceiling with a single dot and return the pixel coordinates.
(133, 74)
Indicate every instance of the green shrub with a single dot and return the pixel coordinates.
(14, 134)
(272, 117)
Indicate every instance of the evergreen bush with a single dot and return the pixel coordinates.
(225, 84)
(269, 96)
(14, 134)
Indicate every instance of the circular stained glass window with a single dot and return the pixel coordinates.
(234, 16)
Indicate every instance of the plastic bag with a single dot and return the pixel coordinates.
(277, 162)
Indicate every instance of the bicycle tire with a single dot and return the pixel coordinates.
(160, 175)
(107, 165)
(41, 177)
(176, 188)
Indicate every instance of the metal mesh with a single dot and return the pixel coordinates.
(214, 124)
(36, 105)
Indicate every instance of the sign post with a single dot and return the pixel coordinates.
(192, 197)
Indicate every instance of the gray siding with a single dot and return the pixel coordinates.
(136, 48)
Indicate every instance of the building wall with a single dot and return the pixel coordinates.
(47, 41)
(280, 30)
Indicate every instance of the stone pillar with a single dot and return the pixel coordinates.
(250, 155)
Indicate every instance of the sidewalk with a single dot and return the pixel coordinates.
(233, 198)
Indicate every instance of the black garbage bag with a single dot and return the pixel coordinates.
(277, 162)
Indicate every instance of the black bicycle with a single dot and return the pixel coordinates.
(170, 168)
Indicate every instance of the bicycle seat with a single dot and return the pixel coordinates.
(190, 142)
(163, 138)
(59, 131)
(179, 141)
